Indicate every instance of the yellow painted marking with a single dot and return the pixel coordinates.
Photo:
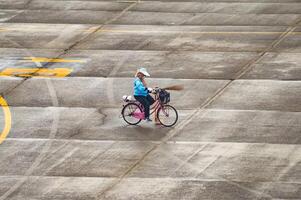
(52, 60)
(7, 118)
(194, 32)
(36, 72)
(3, 29)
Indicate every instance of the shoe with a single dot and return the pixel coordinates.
(148, 119)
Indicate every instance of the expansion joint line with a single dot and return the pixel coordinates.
(274, 44)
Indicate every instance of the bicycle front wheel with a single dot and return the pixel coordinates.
(167, 115)
(128, 113)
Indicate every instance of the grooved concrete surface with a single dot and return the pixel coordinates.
(239, 132)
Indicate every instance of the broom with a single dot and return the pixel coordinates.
(174, 87)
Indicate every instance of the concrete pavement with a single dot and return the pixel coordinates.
(238, 135)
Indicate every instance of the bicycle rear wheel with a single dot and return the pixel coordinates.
(128, 113)
(167, 115)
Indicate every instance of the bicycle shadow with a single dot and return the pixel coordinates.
(149, 131)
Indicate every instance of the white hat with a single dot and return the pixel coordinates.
(143, 71)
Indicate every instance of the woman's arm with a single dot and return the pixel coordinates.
(144, 83)
(140, 86)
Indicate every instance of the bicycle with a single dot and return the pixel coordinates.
(167, 115)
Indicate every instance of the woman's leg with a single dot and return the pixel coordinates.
(143, 100)
(150, 99)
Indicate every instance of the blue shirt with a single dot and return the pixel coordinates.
(139, 88)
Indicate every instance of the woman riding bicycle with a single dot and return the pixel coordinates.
(141, 92)
(133, 112)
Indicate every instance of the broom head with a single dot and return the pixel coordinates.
(174, 87)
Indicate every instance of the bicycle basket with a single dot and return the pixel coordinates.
(164, 96)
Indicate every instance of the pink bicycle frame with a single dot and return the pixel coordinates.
(138, 114)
